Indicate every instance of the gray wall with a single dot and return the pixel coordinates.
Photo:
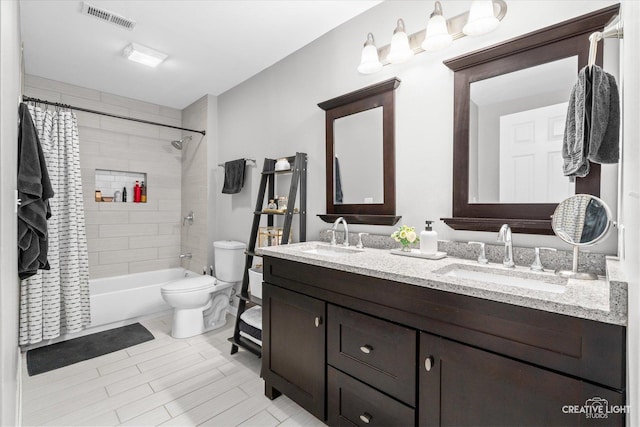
(125, 237)
(275, 113)
(10, 72)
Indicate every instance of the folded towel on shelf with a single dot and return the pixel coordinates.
(251, 324)
(34, 191)
(233, 176)
(250, 338)
(592, 127)
(253, 317)
(250, 330)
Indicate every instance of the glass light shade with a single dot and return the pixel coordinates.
(438, 36)
(400, 50)
(369, 62)
(144, 55)
(481, 18)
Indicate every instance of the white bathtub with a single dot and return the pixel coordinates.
(119, 298)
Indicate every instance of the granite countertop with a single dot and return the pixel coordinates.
(603, 300)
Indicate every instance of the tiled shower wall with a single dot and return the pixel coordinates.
(195, 236)
(125, 237)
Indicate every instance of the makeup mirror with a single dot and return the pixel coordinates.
(581, 220)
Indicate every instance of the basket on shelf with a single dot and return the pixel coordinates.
(271, 236)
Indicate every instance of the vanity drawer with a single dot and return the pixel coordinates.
(351, 402)
(375, 351)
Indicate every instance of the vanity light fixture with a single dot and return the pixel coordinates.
(483, 17)
(437, 34)
(370, 62)
(400, 49)
(144, 55)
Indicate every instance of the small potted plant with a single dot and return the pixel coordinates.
(406, 236)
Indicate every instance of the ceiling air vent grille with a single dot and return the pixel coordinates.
(107, 16)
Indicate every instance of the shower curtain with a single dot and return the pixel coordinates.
(56, 301)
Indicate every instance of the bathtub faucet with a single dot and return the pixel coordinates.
(187, 255)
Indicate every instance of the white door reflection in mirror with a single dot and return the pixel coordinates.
(531, 156)
(516, 125)
(358, 170)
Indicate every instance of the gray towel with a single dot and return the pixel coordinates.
(593, 122)
(576, 129)
(338, 179)
(233, 176)
(604, 144)
(34, 190)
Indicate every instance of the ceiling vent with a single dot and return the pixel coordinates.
(107, 16)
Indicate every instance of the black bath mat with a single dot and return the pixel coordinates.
(54, 356)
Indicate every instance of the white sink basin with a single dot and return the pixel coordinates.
(504, 279)
(332, 251)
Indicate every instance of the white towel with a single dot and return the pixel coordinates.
(250, 338)
(253, 317)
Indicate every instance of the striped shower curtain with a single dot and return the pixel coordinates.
(56, 301)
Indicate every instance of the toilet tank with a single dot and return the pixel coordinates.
(229, 259)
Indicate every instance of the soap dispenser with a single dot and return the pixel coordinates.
(428, 240)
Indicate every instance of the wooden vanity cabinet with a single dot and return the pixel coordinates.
(464, 386)
(293, 340)
(399, 354)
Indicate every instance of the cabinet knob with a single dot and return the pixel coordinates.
(428, 363)
(366, 349)
(318, 321)
(366, 418)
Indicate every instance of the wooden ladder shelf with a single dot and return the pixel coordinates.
(298, 172)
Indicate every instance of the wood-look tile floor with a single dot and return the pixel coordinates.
(167, 381)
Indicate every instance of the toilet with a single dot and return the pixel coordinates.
(200, 302)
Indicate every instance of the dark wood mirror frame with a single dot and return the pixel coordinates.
(568, 38)
(378, 95)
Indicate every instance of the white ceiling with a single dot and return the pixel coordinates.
(212, 45)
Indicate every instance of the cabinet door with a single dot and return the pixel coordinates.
(464, 386)
(293, 347)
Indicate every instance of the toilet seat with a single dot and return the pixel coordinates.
(190, 284)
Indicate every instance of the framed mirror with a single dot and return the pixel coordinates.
(360, 155)
(510, 103)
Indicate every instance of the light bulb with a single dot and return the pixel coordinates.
(400, 50)
(437, 34)
(369, 62)
(481, 18)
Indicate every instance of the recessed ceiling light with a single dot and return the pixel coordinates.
(144, 55)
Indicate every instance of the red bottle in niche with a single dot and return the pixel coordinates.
(136, 192)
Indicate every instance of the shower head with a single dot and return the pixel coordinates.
(179, 143)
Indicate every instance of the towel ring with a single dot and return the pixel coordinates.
(594, 38)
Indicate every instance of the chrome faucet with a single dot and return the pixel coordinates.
(346, 230)
(186, 255)
(504, 235)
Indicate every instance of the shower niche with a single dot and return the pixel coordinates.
(110, 185)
